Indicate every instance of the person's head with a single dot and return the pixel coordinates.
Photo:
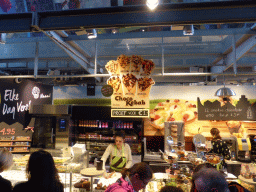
(171, 189)
(119, 139)
(6, 159)
(210, 180)
(201, 166)
(41, 167)
(215, 133)
(139, 174)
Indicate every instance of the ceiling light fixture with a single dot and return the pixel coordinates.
(114, 31)
(91, 33)
(225, 92)
(152, 4)
(188, 30)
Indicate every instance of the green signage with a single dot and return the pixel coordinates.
(139, 113)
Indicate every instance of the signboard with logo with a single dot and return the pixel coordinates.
(131, 82)
(16, 98)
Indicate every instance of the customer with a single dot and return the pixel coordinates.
(218, 145)
(6, 162)
(171, 189)
(133, 179)
(210, 180)
(119, 152)
(42, 174)
(196, 169)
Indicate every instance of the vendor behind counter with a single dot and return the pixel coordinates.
(119, 152)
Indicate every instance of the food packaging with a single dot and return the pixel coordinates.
(129, 82)
(116, 84)
(113, 68)
(144, 86)
(124, 64)
(136, 64)
(147, 68)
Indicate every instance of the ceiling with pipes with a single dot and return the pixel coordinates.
(212, 54)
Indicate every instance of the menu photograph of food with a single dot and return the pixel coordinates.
(130, 79)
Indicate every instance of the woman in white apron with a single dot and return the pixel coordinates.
(119, 152)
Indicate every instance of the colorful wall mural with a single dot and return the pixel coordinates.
(176, 103)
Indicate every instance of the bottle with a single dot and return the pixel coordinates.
(99, 124)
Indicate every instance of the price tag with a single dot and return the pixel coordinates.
(8, 131)
(137, 113)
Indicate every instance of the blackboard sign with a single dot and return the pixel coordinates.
(16, 99)
(242, 111)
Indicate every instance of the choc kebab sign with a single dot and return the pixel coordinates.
(131, 83)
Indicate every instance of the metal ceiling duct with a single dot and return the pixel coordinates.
(225, 92)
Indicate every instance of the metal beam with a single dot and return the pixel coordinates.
(165, 14)
(132, 35)
(108, 17)
(240, 52)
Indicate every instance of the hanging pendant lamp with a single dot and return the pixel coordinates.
(224, 91)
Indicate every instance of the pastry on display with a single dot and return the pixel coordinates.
(115, 83)
(129, 84)
(83, 183)
(136, 64)
(173, 110)
(144, 86)
(124, 64)
(113, 67)
(147, 67)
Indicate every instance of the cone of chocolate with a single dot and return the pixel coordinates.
(144, 86)
(113, 67)
(116, 83)
(147, 67)
(124, 64)
(135, 64)
(129, 82)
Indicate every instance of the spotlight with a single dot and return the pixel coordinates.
(114, 31)
(188, 30)
(91, 33)
(152, 4)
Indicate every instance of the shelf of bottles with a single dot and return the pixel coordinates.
(105, 124)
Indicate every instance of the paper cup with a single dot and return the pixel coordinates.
(136, 64)
(124, 64)
(147, 68)
(144, 86)
(113, 68)
(116, 83)
(129, 82)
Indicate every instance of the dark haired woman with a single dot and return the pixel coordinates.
(218, 145)
(42, 174)
(119, 152)
(133, 179)
(6, 161)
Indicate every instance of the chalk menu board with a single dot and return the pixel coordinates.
(242, 111)
(16, 99)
